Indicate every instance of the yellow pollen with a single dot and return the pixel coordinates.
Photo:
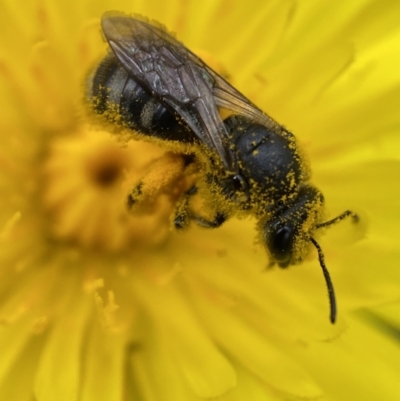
(88, 177)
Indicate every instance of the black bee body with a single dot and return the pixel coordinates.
(153, 84)
(271, 160)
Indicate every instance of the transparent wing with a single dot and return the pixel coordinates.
(182, 81)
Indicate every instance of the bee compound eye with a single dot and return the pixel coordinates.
(280, 244)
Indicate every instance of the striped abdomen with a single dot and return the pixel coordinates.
(121, 99)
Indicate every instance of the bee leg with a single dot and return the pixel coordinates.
(135, 195)
(218, 220)
(182, 220)
(183, 215)
(165, 176)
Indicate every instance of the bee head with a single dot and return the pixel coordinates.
(288, 233)
(288, 230)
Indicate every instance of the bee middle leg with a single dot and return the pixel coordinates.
(184, 214)
(217, 221)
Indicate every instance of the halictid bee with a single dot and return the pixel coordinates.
(151, 83)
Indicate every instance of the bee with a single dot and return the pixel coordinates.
(152, 84)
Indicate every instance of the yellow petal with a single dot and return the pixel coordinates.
(51, 382)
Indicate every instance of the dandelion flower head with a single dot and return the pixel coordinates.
(101, 303)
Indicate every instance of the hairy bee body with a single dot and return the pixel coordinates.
(271, 160)
(153, 84)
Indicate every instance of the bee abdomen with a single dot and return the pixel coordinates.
(116, 95)
(106, 85)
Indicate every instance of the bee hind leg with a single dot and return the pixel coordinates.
(135, 195)
(166, 175)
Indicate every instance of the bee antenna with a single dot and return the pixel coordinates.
(331, 291)
(344, 215)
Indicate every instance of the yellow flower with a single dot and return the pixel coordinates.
(101, 303)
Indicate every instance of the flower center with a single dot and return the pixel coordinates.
(106, 167)
(88, 178)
